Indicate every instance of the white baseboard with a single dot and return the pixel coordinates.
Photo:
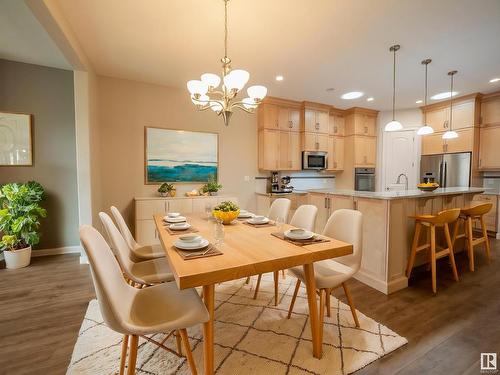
(57, 251)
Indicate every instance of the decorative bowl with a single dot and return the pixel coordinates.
(225, 216)
(427, 187)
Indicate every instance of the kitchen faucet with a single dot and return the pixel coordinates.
(406, 180)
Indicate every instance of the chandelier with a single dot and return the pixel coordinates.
(204, 93)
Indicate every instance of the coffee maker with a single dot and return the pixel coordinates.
(285, 187)
(274, 185)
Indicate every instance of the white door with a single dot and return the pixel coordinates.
(400, 156)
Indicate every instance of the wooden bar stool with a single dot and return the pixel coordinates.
(441, 220)
(467, 215)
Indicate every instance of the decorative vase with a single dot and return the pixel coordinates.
(18, 258)
(213, 193)
(163, 194)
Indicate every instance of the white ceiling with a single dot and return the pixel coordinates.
(314, 44)
(23, 39)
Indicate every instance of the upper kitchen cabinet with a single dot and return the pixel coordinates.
(362, 124)
(316, 117)
(435, 144)
(489, 140)
(268, 116)
(269, 154)
(490, 109)
(289, 149)
(289, 118)
(335, 153)
(365, 152)
(336, 123)
(315, 142)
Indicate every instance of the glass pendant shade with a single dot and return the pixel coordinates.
(393, 126)
(197, 87)
(450, 134)
(249, 103)
(202, 100)
(236, 79)
(216, 107)
(212, 80)
(257, 92)
(425, 130)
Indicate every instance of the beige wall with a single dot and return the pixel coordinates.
(126, 107)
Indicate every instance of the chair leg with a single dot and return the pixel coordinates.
(276, 285)
(132, 358)
(433, 257)
(486, 239)
(351, 304)
(295, 292)
(455, 231)
(451, 252)
(247, 281)
(322, 303)
(470, 243)
(411, 259)
(257, 287)
(283, 274)
(189, 353)
(328, 294)
(178, 342)
(123, 357)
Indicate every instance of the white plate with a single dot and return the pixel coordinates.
(245, 215)
(179, 219)
(173, 214)
(190, 245)
(179, 226)
(304, 236)
(252, 221)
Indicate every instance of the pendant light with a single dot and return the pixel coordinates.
(425, 129)
(451, 134)
(393, 125)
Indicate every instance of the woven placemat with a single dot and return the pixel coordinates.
(208, 251)
(309, 241)
(176, 232)
(270, 224)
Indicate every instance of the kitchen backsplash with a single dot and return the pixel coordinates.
(491, 180)
(302, 181)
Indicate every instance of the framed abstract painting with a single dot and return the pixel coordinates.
(16, 147)
(180, 156)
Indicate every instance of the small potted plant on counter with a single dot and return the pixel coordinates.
(20, 215)
(167, 189)
(211, 187)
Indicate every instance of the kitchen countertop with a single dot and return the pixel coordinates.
(400, 194)
(295, 192)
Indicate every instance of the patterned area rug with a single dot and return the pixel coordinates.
(251, 337)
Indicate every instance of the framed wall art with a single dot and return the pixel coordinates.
(16, 141)
(180, 156)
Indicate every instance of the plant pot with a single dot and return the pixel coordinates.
(163, 194)
(17, 259)
(213, 193)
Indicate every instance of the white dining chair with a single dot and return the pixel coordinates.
(279, 209)
(344, 225)
(139, 252)
(139, 312)
(304, 217)
(147, 272)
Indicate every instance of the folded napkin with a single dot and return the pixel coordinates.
(208, 251)
(184, 231)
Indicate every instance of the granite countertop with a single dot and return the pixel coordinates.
(400, 194)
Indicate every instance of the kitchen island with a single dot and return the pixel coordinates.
(388, 227)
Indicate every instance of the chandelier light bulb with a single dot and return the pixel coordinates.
(425, 130)
(249, 103)
(257, 92)
(393, 126)
(216, 107)
(212, 80)
(236, 79)
(450, 134)
(197, 87)
(202, 100)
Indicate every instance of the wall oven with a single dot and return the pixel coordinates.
(364, 179)
(314, 160)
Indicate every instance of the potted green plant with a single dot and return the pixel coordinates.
(167, 189)
(211, 187)
(20, 215)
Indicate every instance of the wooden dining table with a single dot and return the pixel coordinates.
(246, 251)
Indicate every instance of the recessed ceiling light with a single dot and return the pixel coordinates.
(279, 78)
(494, 80)
(370, 99)
(443, 95)
(352, 95)
(419, 101)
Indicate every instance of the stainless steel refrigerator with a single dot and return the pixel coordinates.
(448, 170)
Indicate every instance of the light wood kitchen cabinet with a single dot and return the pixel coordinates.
(437, 119)
(268, 116)
(365, 151)
(365, 125)
(289, 151)
(432, 144)
(316, 121)
(463, 115)
(289, 119)
(489, 147)
(336, 153)
(490, 219)
(269, 141)
(327, 204)
(435, 144)
(315, 142)
(490, 109)
(337, 125)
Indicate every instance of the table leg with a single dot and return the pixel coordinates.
(313, 309)
(208, 330)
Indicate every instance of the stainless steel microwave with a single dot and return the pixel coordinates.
(317, 160)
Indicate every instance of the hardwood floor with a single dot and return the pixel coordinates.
(42, 307)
